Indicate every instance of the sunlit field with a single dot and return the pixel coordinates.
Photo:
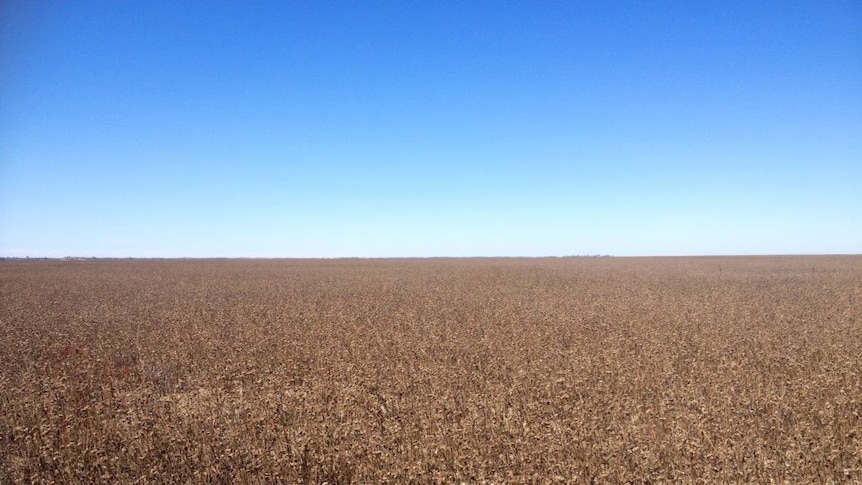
(561, 370)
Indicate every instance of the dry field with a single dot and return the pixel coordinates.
(574, 370)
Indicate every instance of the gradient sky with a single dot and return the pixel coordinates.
(400, 128)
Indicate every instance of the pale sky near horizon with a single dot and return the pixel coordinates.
(403, 128)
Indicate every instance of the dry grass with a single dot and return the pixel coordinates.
(694, 370)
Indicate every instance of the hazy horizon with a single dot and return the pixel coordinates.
(409, 129)
(402, 258)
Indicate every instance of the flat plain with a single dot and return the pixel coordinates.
(557, 370)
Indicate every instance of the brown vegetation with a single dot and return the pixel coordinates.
(607, 370)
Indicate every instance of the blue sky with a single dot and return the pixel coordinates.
(400, 128)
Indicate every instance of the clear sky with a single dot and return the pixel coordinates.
(400, 128)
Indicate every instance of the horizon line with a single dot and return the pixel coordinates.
(313, 258)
